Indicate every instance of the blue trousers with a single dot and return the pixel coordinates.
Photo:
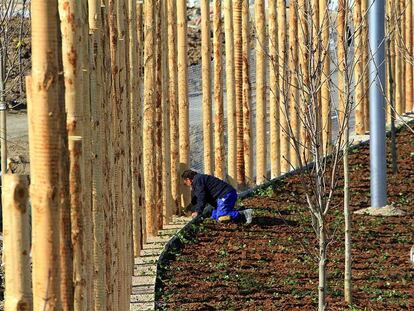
(225, 206)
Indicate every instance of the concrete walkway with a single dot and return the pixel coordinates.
(145, 269)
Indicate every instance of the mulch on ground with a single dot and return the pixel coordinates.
(270, 265)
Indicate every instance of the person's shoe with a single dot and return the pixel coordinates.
(224, 218)
(248, 214)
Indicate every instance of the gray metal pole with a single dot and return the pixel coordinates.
(377, 103)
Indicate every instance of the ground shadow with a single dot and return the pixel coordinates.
(265, 221)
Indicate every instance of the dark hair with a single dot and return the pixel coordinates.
(188, 174)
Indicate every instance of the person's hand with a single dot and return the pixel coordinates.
(194, 215)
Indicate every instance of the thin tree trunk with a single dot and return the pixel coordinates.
(219, 162)
(323, 286)
(348, 222)
(16, 247)
(247, 143)
(293, 81)
(402, 52)
(261, 50)
(183, 113)
(173, 99)
(230, 92)
(341, 61)
(283, 104)
(206, 80)
(359, 90)
(149, 118)
(238, 80)
(274, 92)
(45, 155)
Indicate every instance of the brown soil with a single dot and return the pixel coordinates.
(270, 264)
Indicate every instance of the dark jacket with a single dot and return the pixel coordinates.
(207, 189)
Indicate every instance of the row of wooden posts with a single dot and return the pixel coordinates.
(109, 126)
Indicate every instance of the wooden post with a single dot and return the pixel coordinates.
(166, 150)
(78, 219)
(45, 134)
(283, 103)
(87, 148)
(16, 248)
(261, 51)
(183, 113)
(173, 103)
(408, 65)
(135, 111)
(402, 45)
(230, 92)
(158, 117)
(274, 118)
(238, 80)
(398, 62)
(219, 162)
(293, 82)
(364, 11)
(206, 80)
(247, 143)
(149, 118)
(341, 60)
(326, 121)
(303, 81)
(98, 215)
(358, 75)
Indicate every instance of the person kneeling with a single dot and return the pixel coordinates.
(207, 189)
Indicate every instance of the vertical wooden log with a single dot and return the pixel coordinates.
(261, 50)
(116, 178)
(303, 81)
(230, 92)
(219, 162)
(135, 24)
(364, 10)
(402, 46)
(324, 21)
(358, 72)
(173, 103)
(273, 92)
(293, 82)
(109, 165)
(158, 117)
(206, 80)
(78, 218)
(238, 80)
(183, 113)
(87, 151)
(247, 143)
(140, 64)
(408, 65)
(125, 258)
(398, 61)
(166, 151)
(283, 103)
(45, 133)
(16, 247)
(149, 118)
(98, 216)
(341, 61)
